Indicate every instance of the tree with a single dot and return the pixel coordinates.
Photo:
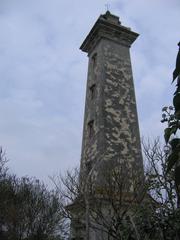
(28, 210)
(146, 211)
(171, 115)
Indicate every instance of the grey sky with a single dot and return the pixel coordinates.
(43, 74)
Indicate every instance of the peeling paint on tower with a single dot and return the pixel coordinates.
(112, 108)
(111, 133)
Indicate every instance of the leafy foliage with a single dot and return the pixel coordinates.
(28, 210)
(173, 121)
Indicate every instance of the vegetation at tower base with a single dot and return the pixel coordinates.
(171, 115)
(133, 215)
(28, 210)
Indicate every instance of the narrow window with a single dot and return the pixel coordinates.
(94, 60)
(88, 166)
(91, 128)
(92, 91)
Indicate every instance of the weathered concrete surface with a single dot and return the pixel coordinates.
(112, 110)
(111, 132)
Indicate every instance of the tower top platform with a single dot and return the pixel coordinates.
(108, 26)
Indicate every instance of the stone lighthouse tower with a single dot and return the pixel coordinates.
(111, 132)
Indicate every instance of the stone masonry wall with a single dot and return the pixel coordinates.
(113, 111)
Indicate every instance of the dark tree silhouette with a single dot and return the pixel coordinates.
(171, 115)
(147, 212)
(28, 210)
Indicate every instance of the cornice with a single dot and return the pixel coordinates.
(105, 28)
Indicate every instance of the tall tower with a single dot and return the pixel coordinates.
(111, 128)
(111, 131)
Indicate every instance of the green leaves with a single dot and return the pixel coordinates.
(174, 129)
(167, 134)
(174, 156)
(176, 101)
(172, 159)
(175, 143)
(177, 114)
(177, 175)
(169, 131)
(177, 68)
(173, 123)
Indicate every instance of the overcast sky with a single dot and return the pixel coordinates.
(43, 74)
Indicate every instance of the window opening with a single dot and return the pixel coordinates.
(91, 128)
(94, 60)
(92, 91)
(88, 166)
